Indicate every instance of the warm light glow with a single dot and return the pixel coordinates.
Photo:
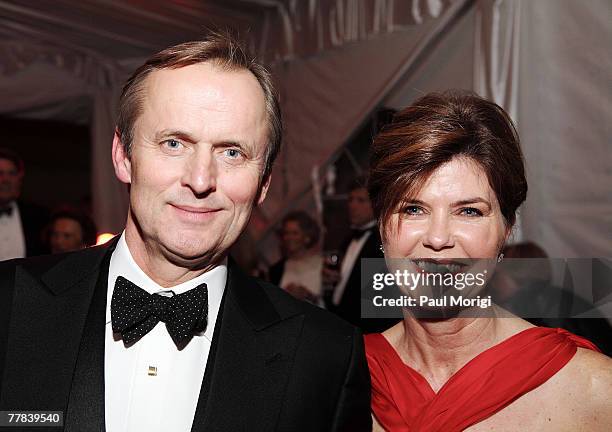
(103, 238)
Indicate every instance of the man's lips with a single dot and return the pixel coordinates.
(195, 211)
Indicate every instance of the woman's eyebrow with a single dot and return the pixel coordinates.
(469, 201)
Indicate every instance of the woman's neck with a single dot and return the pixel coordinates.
(438, 349)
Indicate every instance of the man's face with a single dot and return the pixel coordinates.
(10, 182)
(66, 235)
(197, 158)
(359, 207)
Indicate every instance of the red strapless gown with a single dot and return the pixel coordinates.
(403, 401)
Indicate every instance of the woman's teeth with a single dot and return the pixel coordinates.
(432, 267)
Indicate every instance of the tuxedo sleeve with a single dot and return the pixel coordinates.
(353, 408)
(7, 279)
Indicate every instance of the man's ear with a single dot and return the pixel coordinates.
(121, 161)
(263, 190)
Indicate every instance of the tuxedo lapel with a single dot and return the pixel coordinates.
(254, 355)
(51, 302)
(85, 410)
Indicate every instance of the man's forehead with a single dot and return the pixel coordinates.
(201, 95)
(202, 77)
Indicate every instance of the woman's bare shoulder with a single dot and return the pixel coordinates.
(594, 367)
(589, 374)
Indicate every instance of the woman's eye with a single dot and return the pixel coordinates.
(413, 210)
(471, 211)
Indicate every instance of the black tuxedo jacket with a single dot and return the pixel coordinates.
(34, 219)
(276, 363)
(349, 307)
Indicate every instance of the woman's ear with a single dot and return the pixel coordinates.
(121, 160)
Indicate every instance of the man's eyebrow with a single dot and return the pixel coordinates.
(186, 136)
(174, 133)
(242, 145)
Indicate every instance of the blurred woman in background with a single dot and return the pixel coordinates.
(70, 229)
(299, 271)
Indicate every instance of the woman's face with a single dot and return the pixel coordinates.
(294, 240)
(455, 215)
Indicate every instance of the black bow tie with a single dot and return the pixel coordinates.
(134, 312)
(6, 211)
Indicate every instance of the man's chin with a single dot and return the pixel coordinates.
(192, 252)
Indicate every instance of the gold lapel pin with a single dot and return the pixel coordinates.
(152, 371)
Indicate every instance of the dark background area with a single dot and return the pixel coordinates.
(57, 158)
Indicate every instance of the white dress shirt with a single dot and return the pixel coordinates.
(306, 272)
(348, 262)
(12, 239)
(152, 385)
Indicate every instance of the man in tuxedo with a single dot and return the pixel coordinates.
(160, 330)
(364, 242)
(21, 224)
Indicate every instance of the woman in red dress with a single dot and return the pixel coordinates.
(446, 179)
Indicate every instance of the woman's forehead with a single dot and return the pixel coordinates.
(455, 180)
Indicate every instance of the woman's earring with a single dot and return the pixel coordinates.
(382, 249)
(500, 257)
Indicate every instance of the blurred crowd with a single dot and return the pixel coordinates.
(28, 229)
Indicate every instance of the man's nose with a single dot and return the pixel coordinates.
(438, 235)
(201, 173)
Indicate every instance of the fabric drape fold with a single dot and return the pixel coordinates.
(403, 400)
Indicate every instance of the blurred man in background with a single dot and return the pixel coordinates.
(21, 224)
(364, 242)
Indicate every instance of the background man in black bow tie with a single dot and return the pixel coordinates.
(21, 224)
(159, 331)
(364, 242)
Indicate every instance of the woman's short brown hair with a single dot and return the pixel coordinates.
(432, 131)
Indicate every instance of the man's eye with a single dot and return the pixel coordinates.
(172, 144)
(232, 153)
(471, 212)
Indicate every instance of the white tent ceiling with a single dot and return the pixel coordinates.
(68, 59)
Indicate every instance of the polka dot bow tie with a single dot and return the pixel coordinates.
(134, 312)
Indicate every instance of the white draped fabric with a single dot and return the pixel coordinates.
(548, 64)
